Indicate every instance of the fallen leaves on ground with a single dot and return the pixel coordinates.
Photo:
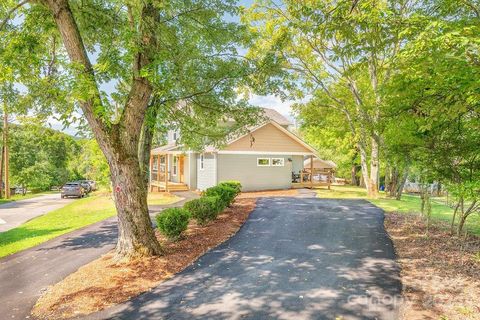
(440, 272)
(104, 282)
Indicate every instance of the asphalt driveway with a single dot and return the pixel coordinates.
(15, 213)
(295, 258)
(25, 274)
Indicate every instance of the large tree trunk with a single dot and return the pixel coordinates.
(119, 142)
(374, 170)
(354, 175)
(393, 181)
(364, 167)
(136, 235)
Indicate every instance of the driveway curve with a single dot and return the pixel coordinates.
(295, 258)
(26, 274)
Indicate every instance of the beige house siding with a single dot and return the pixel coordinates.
(243, 167)
(268, 139)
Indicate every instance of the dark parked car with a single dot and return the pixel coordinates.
(93, 184)
(86, 185)
(73, 189)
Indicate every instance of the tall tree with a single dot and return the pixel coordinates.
(434, 102)
(169, 61)
(340, 49)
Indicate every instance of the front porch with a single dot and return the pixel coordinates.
(167, 172)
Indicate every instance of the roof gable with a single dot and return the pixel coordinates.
(270, 137)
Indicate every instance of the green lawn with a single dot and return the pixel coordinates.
(73, 216)
(27, 196)
(408, 204)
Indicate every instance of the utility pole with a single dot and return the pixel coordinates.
(5, 150)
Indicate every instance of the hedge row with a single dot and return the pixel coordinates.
(173, 221)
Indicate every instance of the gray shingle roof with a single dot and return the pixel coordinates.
(276, 116)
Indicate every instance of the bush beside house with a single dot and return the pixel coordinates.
(173, 221)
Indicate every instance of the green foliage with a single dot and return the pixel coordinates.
(204, 209)
(39, 157)
(196, 62)
(172, 222)
(225, 193)
(434, 100)
(234, 184)
(90, 163)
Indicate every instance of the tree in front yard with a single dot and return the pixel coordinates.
(169, 61)
(340, 53)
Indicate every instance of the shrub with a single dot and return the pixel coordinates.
(172, 222)
(204, 209)
(227, 194)
(232, 184)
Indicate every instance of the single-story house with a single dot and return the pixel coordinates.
(269, 157)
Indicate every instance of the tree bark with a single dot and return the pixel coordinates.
(364, 167)
(393, 182)
(374, 170)
(119, 142)
(401, 185)
(136, 236)
(354, 175)
(388, 170)
(464, 216)
(452, 225)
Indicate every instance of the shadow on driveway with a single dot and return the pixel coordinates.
(293, 259)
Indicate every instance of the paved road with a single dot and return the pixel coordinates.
(15, 213)
(293, 259)
(24, 275)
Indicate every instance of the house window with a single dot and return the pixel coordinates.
(263, 162)
(175, 164)
(278, 162)
(202, 159)
(174, 136)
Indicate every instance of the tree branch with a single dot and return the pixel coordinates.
(9, 13)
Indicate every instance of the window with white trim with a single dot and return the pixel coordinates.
(263, 162)
(202, 160)
(175, 165)
(278, 162)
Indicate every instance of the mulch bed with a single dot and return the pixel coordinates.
(104, 282)
(440, 272)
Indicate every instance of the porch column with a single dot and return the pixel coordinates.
(158, 167)
(150, 173)
(166, 172)
(311, 171)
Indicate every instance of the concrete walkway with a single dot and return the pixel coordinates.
(15, 213)
(24, 275)
(295, 258)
